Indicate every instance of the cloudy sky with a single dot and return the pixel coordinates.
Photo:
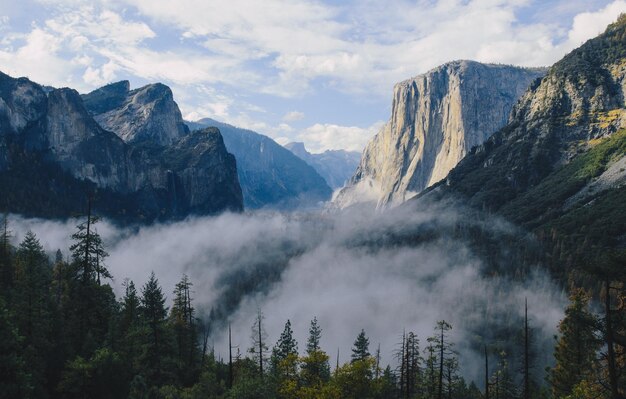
(314, 71)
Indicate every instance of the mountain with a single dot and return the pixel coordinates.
(270, 175)
(147, 113)
(53, 153)
(335, 166)
(436, 119)
(559, 167)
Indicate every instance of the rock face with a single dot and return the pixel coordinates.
(557, 169)
(148, 113)
(48, 137)
(436, 119)
(578, 102)
(335, 166)
(270, 175)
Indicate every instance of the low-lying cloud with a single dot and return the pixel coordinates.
(383, 272)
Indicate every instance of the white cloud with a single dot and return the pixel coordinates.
(38, 59)
(293, 116)
(254, 50)
(321, 137)
(589, 24)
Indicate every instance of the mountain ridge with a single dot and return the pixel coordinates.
(335, 166)
(270, 175)
(50, 133)
(436, 118)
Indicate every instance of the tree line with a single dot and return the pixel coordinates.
(64, 334)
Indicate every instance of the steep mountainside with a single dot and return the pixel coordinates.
(559, 168)
(335, 166)
(270, 175)
(53, 153)
(148, 113)
(436, 119)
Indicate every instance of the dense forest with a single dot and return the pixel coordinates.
(64, 334)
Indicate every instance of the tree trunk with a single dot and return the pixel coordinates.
(230, 358)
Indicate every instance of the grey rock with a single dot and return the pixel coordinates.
(148, 113)
(143, 177)
(269, 174)
(436, 119)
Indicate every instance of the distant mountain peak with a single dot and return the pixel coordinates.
(335, 166)
(270, 175)
(148, 113)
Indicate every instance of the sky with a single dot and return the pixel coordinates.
(321, 72)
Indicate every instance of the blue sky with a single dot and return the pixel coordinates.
(313, 71)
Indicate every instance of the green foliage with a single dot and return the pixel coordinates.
(360, 350)
(576, 346)
(15, 381)
(545, 201)
(100, 377)
(157, 347)
(585, 63)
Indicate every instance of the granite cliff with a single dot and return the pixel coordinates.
(436, 119)
(53, 153)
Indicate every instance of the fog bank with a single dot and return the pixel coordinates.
(383, 272)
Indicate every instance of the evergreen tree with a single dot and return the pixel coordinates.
(360, 350)
(315, 366)
(444, 348)
(315, 334)
(156, 343)
(183, 321)
(259, 347)
(285, 346)
(15, 380)
(576, 347)
(32, 308)
(430, 368)
(129, 326)
(88, 251)
(6, 262)
(503, 385)
(91, 305)
(409, 365)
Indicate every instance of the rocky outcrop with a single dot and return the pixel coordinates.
(269, 174)
(335, 166)
(579, 102)
(47, 138)
(145, 114)
(436, 119)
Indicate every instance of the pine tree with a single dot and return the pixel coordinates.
(182, 318)
(129, 325)
(7, 271)
(154, 315)
(576, 347)
(90, 305)
(444, 347)
(502, 380)
(430, 370)
(32, 307)
(315, 334)
(285, 346)
(315, 366)
(259, 347)
(15, 380)
(409, 364)
(360, 350)
(88, 251)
